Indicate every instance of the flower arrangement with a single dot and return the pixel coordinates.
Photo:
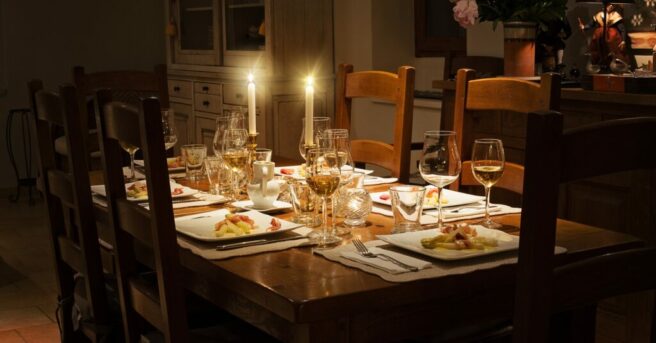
(542, 12)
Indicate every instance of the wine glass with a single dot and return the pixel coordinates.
(168, 128)
(323, 178)
(235, 155)
(337, 140)
(488, 160)
(231, 120)
(440, 163)
(130, 149)
(319, 125)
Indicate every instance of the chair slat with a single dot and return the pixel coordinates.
(145, 301)
(60, 186)
(134, 220)
(71, 253)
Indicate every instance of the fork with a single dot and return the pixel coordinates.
(362, 250)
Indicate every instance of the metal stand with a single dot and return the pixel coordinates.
(26, 179)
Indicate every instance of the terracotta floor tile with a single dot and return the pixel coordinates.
(11, 336)
(48, 333)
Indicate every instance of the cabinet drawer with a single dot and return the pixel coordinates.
(207, 103)
(180, 89)
(207, 88)
(235, 95)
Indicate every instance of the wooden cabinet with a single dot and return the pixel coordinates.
(280, 42)
(184, 124)
(205, 128)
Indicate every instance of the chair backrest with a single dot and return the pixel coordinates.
(554, 157)
(499, 93)
(397, 88)
(67, 195)
(161, 305)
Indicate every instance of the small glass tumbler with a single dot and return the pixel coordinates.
(218, 175)
(304, 202)
(354, 202)
(194, 155)
(407, 205)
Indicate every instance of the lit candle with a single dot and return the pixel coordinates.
(251, 105)
(309, 110)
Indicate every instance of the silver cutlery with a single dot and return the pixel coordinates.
(482, 207)
(363, 251)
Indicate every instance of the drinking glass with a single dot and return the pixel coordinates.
(407, 204)
(488, 161)
(319, 125)
(231, 120)
(440, 163)
(338, 141)
(194, 156)
(130, 149)
(262, 154)
(303, 201)
(354, 203)
(236, 156)
(216, 174)
(168, 127)
(323, 178)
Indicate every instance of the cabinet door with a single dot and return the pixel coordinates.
(197, 40)
(205, 127)
(184, 124)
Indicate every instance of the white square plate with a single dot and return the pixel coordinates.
(276, 207)
(295, 171)
(186, 191)
(201, 226)
(453, 198)
(412, 241)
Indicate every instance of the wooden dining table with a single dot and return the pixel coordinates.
(297, 295)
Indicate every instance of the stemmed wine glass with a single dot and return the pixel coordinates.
(337, 140)
(168, 128)
(319, 125)
(231, 120)
(235, 155)
(130, 149)
(440, 163)
(488, 161)
(323, 178)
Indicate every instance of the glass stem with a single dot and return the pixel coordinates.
(132, 176)
(324, 214)
(440, 215)
(487, 204)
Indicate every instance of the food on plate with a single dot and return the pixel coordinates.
(430, 199)
(175, 162)
(139, 190)
(287, 171)
(459, 238)
(234, 225)
(275, 225)
(298, 171)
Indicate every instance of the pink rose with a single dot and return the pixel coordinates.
(465, 12)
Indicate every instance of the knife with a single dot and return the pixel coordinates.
(257, 242)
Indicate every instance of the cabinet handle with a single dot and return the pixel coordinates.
(206, 103)
(176, 88)
(205, 89)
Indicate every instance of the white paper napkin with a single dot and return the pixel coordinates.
(430, 216)
(381, 263)
(375, 180)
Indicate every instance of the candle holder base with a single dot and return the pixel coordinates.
(251, 145)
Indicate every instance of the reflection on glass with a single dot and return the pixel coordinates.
(244, 25)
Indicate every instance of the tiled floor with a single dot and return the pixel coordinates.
(27, 281)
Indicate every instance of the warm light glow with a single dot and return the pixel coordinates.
(309, 81)
(250, 77)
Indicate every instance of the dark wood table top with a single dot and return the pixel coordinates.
(300, 296)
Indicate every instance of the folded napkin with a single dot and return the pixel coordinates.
(208, 250)
(200, 200)
(381, 263)
(376, 180)
(453, 214)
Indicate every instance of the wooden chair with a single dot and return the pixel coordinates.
(144, 303)
(69, 206)
(398, 88)
(501, 93)
(554, 157)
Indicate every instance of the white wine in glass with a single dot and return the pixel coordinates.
(488, 160)
(440, 163)
(130, 149)
(235, 155)
(323, 178)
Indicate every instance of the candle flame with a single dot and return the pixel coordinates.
(250, 77)
(309, 81)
